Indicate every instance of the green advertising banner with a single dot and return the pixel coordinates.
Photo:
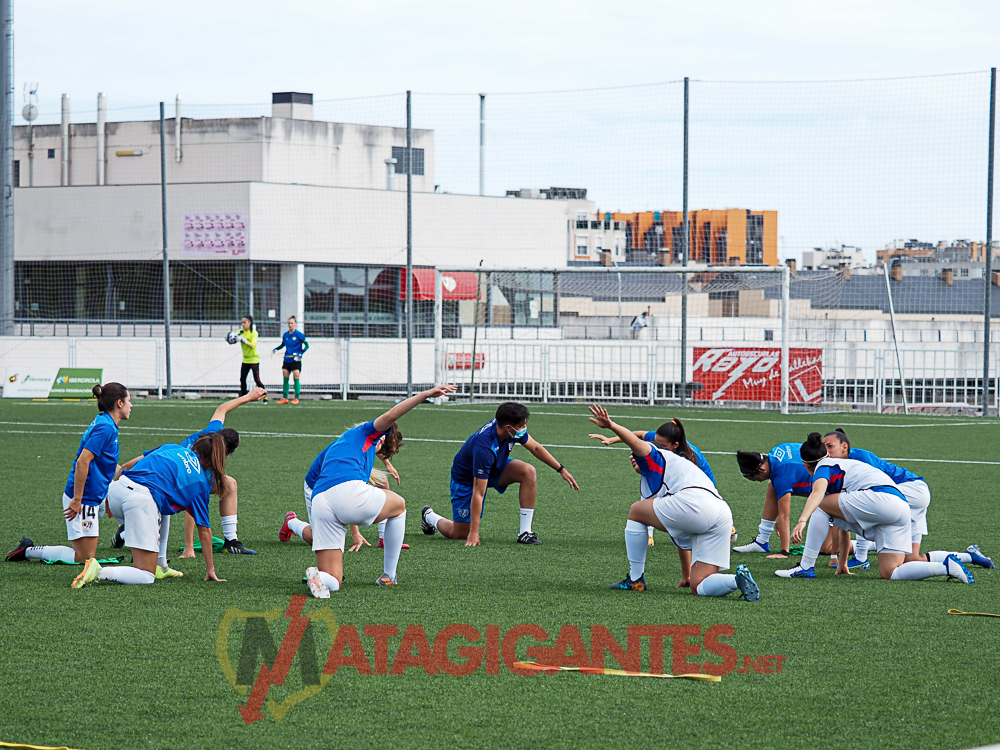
(75, 382)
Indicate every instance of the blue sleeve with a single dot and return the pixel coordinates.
(703, 463)
(823, 472)
(781, 479)
(314, 470)
(101, 438)
(524, 440)
(483, 461)
(368, 428)
(651, 467)
(650, 437)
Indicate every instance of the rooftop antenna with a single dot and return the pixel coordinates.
(30, 113)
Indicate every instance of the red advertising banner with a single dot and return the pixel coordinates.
(730, 373)
(463, 361)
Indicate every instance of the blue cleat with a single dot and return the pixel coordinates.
(978, 558)
(629, 585)
(958, 571)
(797, 572)
(753, 546)
(854, 563)
(746, 584)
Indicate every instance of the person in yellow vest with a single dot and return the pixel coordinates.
(251, 360)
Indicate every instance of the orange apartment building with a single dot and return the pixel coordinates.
(729, 236)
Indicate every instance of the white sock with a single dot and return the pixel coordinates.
(161, 559)
(526, 516)
(433, 518)
(229, 527)
(937, 556)
(126, 574)
(297, 526)
(381, 528)
(862, 547)
(764, 531)
(918, 571)
(59, 553)
(394, 530)
(717, 584)
(636, 544)
(329, 581)
(816, 531)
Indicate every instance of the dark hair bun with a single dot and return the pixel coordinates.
(96, 391)
(812, 449)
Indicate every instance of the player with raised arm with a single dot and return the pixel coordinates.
(295, 345)
(917, 495)
(170, 479)
(484, 462)
(678, 498)
(343, 497)
(861, 498)
(91, 473)
(228, 502)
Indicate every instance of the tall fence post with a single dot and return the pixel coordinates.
(786, 283)
(684, 257)
(989, 254)
(166, 253)
(409, 248)
(482, 144)
(438, 313)
(6, 169)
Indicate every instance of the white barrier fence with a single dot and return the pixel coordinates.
(638, 371)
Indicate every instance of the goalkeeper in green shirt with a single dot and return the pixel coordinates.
(251, 360)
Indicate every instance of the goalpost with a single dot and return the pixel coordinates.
(686, 274)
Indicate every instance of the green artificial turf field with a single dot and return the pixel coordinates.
(867, 663)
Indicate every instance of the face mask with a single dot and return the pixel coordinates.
(521, 433)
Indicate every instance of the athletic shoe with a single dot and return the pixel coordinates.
(295, 401)
(797, 572)
(426, 527)
(282, 401)
(385, 581)
(235, 547)
(754, 546)
(284, 533)
(168, 572)
(528, 537)
(316, 586)
(264, 400)
(118, 538)
(854, 563)
(381, 544)
(978, 558)
(17, 554)
(956, 570)
(746, 584)
(629, 585)
(90, 571)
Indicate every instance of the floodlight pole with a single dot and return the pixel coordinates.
(684, 257)
(409, 248)
(988, 273)
(482, 144)
(166, 253)
(7, 168)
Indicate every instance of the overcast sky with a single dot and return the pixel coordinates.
(219, 52)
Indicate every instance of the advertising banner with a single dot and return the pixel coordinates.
(745, 374)
(50, 382)
(75, 382)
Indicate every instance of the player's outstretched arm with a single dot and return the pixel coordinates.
(812, 503)
(638, 446)
(279, 347)
(223, 409)
(205, 535)
(391, 470)
(614, 440)
(386, 421)
(539, 451)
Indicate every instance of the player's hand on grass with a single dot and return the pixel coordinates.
(843, 570)
(211, 576)
(684, 584)
(359, 542)
(473, 540)
(74, 509)
(777, 556)
(600, 418)
(569, 479)
(187, 552)
(604, 440)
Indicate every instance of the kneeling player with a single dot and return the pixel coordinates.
(678, 498)
(484, 461)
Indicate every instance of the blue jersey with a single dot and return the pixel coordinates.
(788, 473)
(101, 439)
(176, 480)
(351, 457)
(848, 475)
(214, 426)
(483, 456)
(317, 466)
(650, 437)
(294, 343)
(897, 474)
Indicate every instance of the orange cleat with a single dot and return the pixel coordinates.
(282, 400)
(295, 401)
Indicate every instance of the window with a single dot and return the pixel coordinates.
(768, 335)
(52, 153)
(17, 173)
(399, 154)
(582, 250)
(599, 243)
(963, 272)
(581, 220)
(923, 272)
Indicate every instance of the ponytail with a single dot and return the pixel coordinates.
(108, 396)
(211, 450)
(673, 432)
(812, 449)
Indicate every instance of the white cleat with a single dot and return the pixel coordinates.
(316, 586)
(956, 570)
(754, 546)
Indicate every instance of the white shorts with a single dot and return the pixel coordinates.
(85, 524)
(918, 497)
(879, 517)
(353, 502)
(131, 504)
(308, 492)
(699, 521)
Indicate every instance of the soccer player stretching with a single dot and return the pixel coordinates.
(678, 498)
(342, 497)
(170, 479)
(87, 486)
(295, 345)
(860, 498)
(484, 461)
